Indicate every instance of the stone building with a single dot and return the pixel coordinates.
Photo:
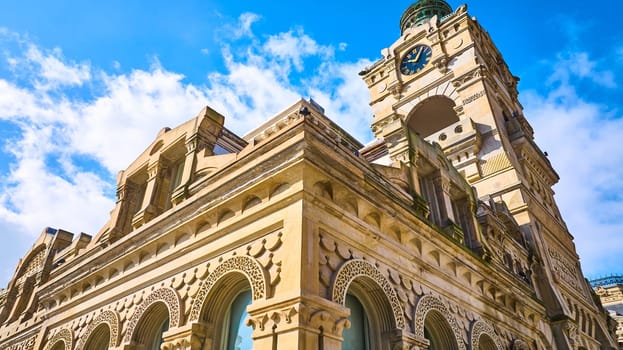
(441, 234)
(610, 292)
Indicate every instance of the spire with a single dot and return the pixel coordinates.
(422, 10)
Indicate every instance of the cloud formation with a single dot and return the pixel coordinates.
(582, 137)
(79, 124)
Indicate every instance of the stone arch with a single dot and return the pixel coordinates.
(431, 304)
(481, 331)
(361, 268)
(432, 115)
(27, 262)
(445, 89)
(65, 336)
(249, 267)
(164, 295)
(107, 317)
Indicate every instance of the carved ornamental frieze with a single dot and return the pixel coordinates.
(564, 270)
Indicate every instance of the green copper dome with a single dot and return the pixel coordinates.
(422, 10)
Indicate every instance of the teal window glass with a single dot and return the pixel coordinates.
(239, 334)
(357, 337)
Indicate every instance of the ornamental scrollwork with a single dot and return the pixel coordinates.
(165, 295)
(519, 345)
(428, 303)
(480, 328)
(107, 317)
(243, 264)
(361, 268)
(65, 335)
(28, 344)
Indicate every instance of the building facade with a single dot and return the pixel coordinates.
(441, 234)
(610, 292)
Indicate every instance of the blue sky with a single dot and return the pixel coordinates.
(84, 87)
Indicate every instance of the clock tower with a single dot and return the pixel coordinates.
(443, 81)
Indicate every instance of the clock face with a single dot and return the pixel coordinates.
(415, 59)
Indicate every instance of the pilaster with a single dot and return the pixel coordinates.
(149, 209)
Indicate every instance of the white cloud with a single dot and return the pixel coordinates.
(47, 184)
(54, 72)
(583, 140)
(291, 47)
(579, 65)
(243, 28)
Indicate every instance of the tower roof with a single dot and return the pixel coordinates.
(421, 10)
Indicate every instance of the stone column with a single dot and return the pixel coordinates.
(149, 210)
(193, 143)
(122, 215)
(444, 200)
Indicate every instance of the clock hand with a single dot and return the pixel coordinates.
(419, 53)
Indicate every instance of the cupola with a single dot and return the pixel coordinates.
(422, 10)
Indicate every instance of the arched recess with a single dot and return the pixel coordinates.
(434, 320)
(64, 339)
(107, 323)
(483, 337)
(250, 268)
(377, 288)
(160, 301)
(432, 115)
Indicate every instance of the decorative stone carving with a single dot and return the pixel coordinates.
(108, 317)
(65, 335)
(428, 303)
(564, 270)
(480, 328)
(519, 345)
(165, 295)
(28, 344)
(188, 337)
(325, 320)
(361, 268)
(274, 320)
(243, 264)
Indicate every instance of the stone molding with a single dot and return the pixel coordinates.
(165, 295)
(108, 317)
(248, 266)
(361, 268)
(28, 344)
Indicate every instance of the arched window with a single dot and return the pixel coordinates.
(357, 337)
(99, 338)
(158, 338)
(486, 343)
(59, 346)
(151, 327)
(439, 332)
(238, 335)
